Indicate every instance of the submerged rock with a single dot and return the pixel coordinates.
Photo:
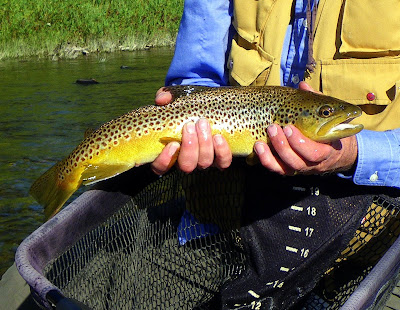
(86, 81)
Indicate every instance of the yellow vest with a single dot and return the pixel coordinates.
(356, 48)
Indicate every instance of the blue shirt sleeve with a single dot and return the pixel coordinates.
(378, 160)
(203, 44)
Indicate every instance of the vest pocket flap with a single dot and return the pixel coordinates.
(248, 64)
(371, 28)
(361, 81)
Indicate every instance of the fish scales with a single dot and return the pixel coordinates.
(240, 114)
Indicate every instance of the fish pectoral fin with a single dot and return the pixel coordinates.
(166, 140)
(96, 173)
(252, 159)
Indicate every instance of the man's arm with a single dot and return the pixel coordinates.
(202, 44)
(378, 160)
(200, 55)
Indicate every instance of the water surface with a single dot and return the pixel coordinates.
(44, 114)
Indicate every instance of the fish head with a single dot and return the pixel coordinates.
(323, 118)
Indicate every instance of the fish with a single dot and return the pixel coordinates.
(240, 114)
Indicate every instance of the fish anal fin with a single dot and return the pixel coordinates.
(252, 159)
(95, 173)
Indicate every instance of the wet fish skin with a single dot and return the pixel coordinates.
(240, 114)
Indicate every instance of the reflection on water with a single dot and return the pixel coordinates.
(44, 114)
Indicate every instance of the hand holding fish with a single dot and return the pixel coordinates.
(199, 149)
(294, 153)
(291, 151)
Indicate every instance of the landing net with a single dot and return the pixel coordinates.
(238, 239)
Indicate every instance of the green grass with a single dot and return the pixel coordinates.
(65, 28)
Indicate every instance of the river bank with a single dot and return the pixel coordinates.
(67, 29)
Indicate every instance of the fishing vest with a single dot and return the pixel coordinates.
(356, 48)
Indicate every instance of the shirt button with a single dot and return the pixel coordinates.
(295, 79)
(374, 177)
(231, 64)
(370, 96)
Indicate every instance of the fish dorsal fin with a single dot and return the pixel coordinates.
(88, 132)
(96, 173)
(185, 90)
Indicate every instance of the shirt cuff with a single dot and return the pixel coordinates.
(378, 162)
(194, 81)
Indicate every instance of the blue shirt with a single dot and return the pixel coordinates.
(295, 48)
(200, 59)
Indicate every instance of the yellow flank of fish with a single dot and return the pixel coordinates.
(240, 114)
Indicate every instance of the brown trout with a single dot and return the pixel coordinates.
(240, 114)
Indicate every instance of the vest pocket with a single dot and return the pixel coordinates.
(370, 28)
(246, 65)
(370, 82)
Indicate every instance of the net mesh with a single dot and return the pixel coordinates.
(134, 259)
(379, 229)
(153, 253)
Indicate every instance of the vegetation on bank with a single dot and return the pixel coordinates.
(68, 28)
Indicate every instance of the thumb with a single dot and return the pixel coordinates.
(163, 97)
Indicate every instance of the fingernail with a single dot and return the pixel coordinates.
(259, 148)
(190, 128)
(272, 130)
(203, 126)
(218, 140)
(160, 95)
(288, 131)
(173, 148)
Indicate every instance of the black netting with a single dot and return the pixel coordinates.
(134, 260)
(379, 229)
(264, 242)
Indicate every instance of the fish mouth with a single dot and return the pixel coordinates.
(340, 127)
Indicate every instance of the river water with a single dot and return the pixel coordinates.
(44, 114)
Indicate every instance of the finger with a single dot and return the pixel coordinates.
(223, 153)
(270, 161)
(163, 97)
(189, 151)
(338, 155)
(307, 149)
(283, 149)
(304, 86)
(166, 159)
(206, 148)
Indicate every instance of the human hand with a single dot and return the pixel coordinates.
(291, 152)
(163, 97)
(198, 149)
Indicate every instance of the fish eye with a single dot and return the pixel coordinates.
(325, 111)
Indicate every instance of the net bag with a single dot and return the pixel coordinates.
(241, 238)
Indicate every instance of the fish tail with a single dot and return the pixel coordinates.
(51, 192)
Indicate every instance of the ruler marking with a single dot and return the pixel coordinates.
(290, 249)
(295, 228)
(254, 294)
(297, 208)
